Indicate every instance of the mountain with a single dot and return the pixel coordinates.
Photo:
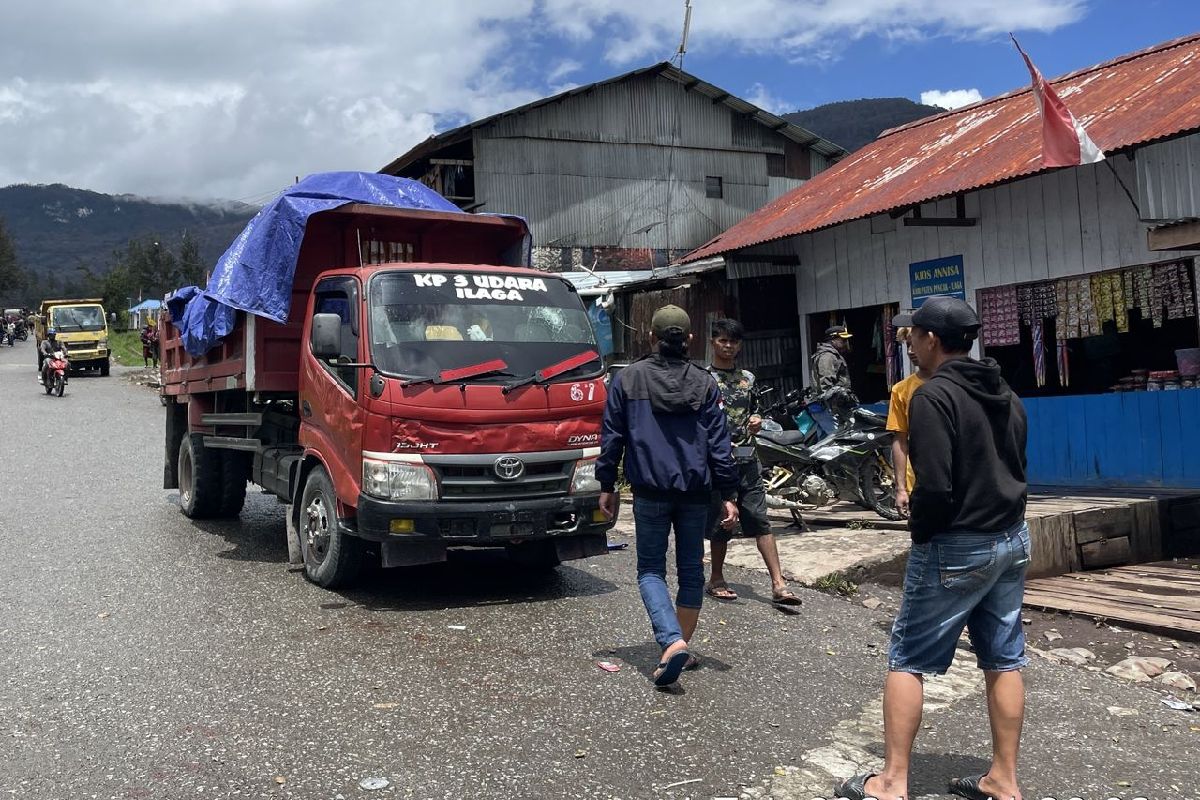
(853, 123)
(56, 229)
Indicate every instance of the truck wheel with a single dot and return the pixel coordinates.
(537, 556)
(104, 367)
(233, 483)
(331, 558)
(199, 478)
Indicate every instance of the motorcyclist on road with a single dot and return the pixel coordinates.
(46, 351)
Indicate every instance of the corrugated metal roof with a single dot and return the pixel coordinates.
(590, 284)
(666, 70)
(1131, 100)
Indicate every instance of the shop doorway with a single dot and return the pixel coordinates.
(872, 347)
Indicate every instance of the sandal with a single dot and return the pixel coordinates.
(669, 670)
(720, 591)
(968, 788)
(854, 788)
(786, 598)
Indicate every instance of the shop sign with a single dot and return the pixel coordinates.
(939, 276)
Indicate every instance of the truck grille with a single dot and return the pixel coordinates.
(73, 347)
(477, 481)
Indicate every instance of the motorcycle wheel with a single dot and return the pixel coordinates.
(797, 517)
(877, 485)
(59, 385)
(48, 386)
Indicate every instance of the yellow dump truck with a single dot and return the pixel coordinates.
(81, 328)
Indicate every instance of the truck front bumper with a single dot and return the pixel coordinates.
(480, 523)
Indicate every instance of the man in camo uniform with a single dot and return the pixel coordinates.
(737, 395)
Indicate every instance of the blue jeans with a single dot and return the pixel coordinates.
(653, 520)
(976, 580)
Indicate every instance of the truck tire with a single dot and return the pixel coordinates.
(234, 475)
(199, 473)
(331, 558)
(104, 367)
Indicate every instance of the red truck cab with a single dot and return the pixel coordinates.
(429, 396)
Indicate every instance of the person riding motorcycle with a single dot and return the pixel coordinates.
(46, 351)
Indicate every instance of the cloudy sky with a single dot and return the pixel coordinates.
(234, 99)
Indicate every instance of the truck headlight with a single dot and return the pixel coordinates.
(103, 343)
(584, 480)
(394, 480)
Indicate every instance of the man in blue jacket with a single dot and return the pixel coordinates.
(664, 416)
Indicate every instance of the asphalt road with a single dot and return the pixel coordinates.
(146, 656)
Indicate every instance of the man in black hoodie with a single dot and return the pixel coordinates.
(969, 555)
(664, 417)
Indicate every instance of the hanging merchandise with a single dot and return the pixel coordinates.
(1039, 351)
(890, 349)
(1176, 288)
(1158, 295)
(1060, 292)
(1120, 310)
(1001, 316)
(1143, 289)
(877, 339)
(1025, 303)
(1044, 302)
(1102, 301)
(1064, 363)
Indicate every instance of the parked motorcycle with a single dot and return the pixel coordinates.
(8, 335)
(55, 377)
(821, 461)
(22, 332)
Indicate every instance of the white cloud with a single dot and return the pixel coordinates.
(797, 29)
(234, 99)
(761, 96)
(953, 98)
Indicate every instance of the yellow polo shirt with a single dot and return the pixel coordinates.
(897, 420)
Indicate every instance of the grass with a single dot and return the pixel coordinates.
(126, 347)
(836, 583)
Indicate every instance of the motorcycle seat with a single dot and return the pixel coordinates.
(869, 417)
(782, 438)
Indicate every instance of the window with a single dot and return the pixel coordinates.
(340, 296)
(713, 187)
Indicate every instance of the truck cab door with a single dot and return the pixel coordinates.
(331, 415)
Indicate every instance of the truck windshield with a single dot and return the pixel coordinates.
(422, 323)
(77, 318)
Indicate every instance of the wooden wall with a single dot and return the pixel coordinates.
(1122, 439)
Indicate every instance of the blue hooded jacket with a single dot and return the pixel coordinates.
(664, 416)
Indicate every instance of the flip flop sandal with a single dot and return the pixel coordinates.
(721, 592)
(854, 788)
(968, 788)
(692, 663)
(786, 598)
(671, 668)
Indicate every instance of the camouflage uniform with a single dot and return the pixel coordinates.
(737, 396)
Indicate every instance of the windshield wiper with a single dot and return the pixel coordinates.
(554, 370)
(460, 373)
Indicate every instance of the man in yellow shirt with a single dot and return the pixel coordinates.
(897, 422)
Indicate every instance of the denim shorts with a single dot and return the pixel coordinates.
(956, 580)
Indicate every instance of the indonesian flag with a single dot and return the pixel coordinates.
(1064, 141)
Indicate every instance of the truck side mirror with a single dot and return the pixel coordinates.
(326, 336)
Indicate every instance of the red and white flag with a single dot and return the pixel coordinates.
(1064, 141)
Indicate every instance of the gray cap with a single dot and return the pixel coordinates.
(942, 315)
(671, 323)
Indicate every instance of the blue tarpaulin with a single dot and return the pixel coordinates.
(255, 274)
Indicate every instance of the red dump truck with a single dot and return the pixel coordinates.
(429, 401)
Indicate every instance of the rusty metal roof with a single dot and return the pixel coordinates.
(1137, 98)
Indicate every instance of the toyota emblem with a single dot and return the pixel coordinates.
(509, 468)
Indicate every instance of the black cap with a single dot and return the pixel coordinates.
(671, 324)
(838, 332)
(942, 315)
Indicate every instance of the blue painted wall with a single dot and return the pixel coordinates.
(1120, 439)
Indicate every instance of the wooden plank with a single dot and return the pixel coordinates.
(1089, 217)
(1147, 537)
(1053, 546)
(1070, 260)
(1187, 604)
(1105, 552)
(1114, 612)
(1019, 233)
(1103, 523)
